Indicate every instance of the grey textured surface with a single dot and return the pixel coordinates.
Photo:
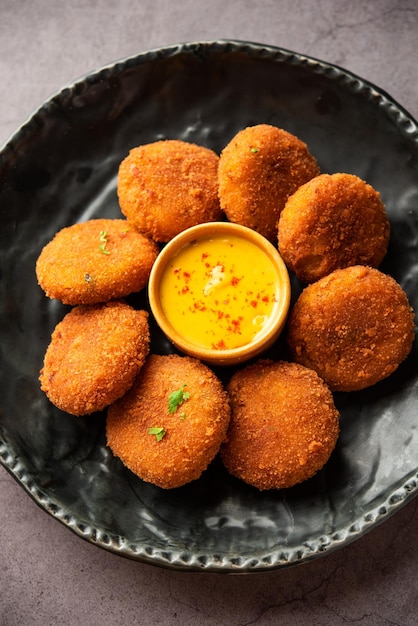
(49, 576)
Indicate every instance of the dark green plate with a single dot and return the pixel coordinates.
(60, 167)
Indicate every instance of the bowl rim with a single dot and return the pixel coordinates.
(266, 337)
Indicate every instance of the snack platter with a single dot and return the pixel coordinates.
(60, 168)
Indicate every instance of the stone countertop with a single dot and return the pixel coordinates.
(48, 575)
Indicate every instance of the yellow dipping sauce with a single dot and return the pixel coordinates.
(220, 292)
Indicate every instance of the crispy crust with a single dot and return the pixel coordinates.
(331, 222)
(283, 427)
(94, 356)
(354, 327)
(167, 186)
(95, 261)
(258, 170)
(193, 434)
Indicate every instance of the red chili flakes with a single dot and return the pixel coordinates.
(235, 325)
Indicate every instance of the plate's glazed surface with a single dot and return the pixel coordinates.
(61, 167)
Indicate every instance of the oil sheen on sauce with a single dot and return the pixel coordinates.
(220, 292)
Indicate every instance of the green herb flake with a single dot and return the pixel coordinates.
(157, 431)
(104, 237)
(176, 399)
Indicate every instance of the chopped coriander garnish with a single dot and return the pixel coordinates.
(176, 399)
(104, 238)
(157, 431)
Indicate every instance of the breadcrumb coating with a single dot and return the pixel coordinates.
(167, 186)
(331, 222)
(258, 170)
(94, 355)
(190, 436)
(95, 261)
(353, 327)
(284, 425)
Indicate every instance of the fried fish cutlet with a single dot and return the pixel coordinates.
(353, 327)
(283, 426)
(94, 355)
(167, 186)
(170, 425)
(95, 261)
(331, 222)
(258, 170)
